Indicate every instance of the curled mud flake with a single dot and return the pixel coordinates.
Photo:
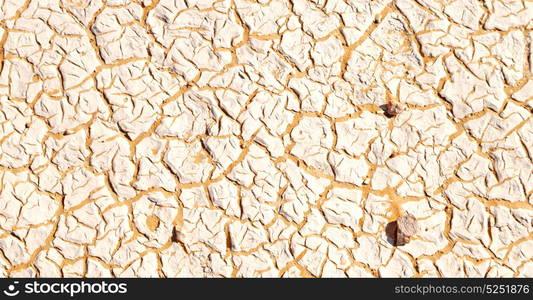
(407, 226)
(392, 109)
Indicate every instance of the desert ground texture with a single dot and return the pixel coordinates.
(239, 138)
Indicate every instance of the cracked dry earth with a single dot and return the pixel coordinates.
(243, 138)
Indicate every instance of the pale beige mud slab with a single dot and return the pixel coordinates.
(169, 138)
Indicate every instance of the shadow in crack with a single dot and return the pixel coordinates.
(384, 108)
(391, 230)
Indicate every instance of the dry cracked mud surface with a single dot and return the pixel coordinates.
(238, 138)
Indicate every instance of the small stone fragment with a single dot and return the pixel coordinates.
(407, 227)
(392, 109)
